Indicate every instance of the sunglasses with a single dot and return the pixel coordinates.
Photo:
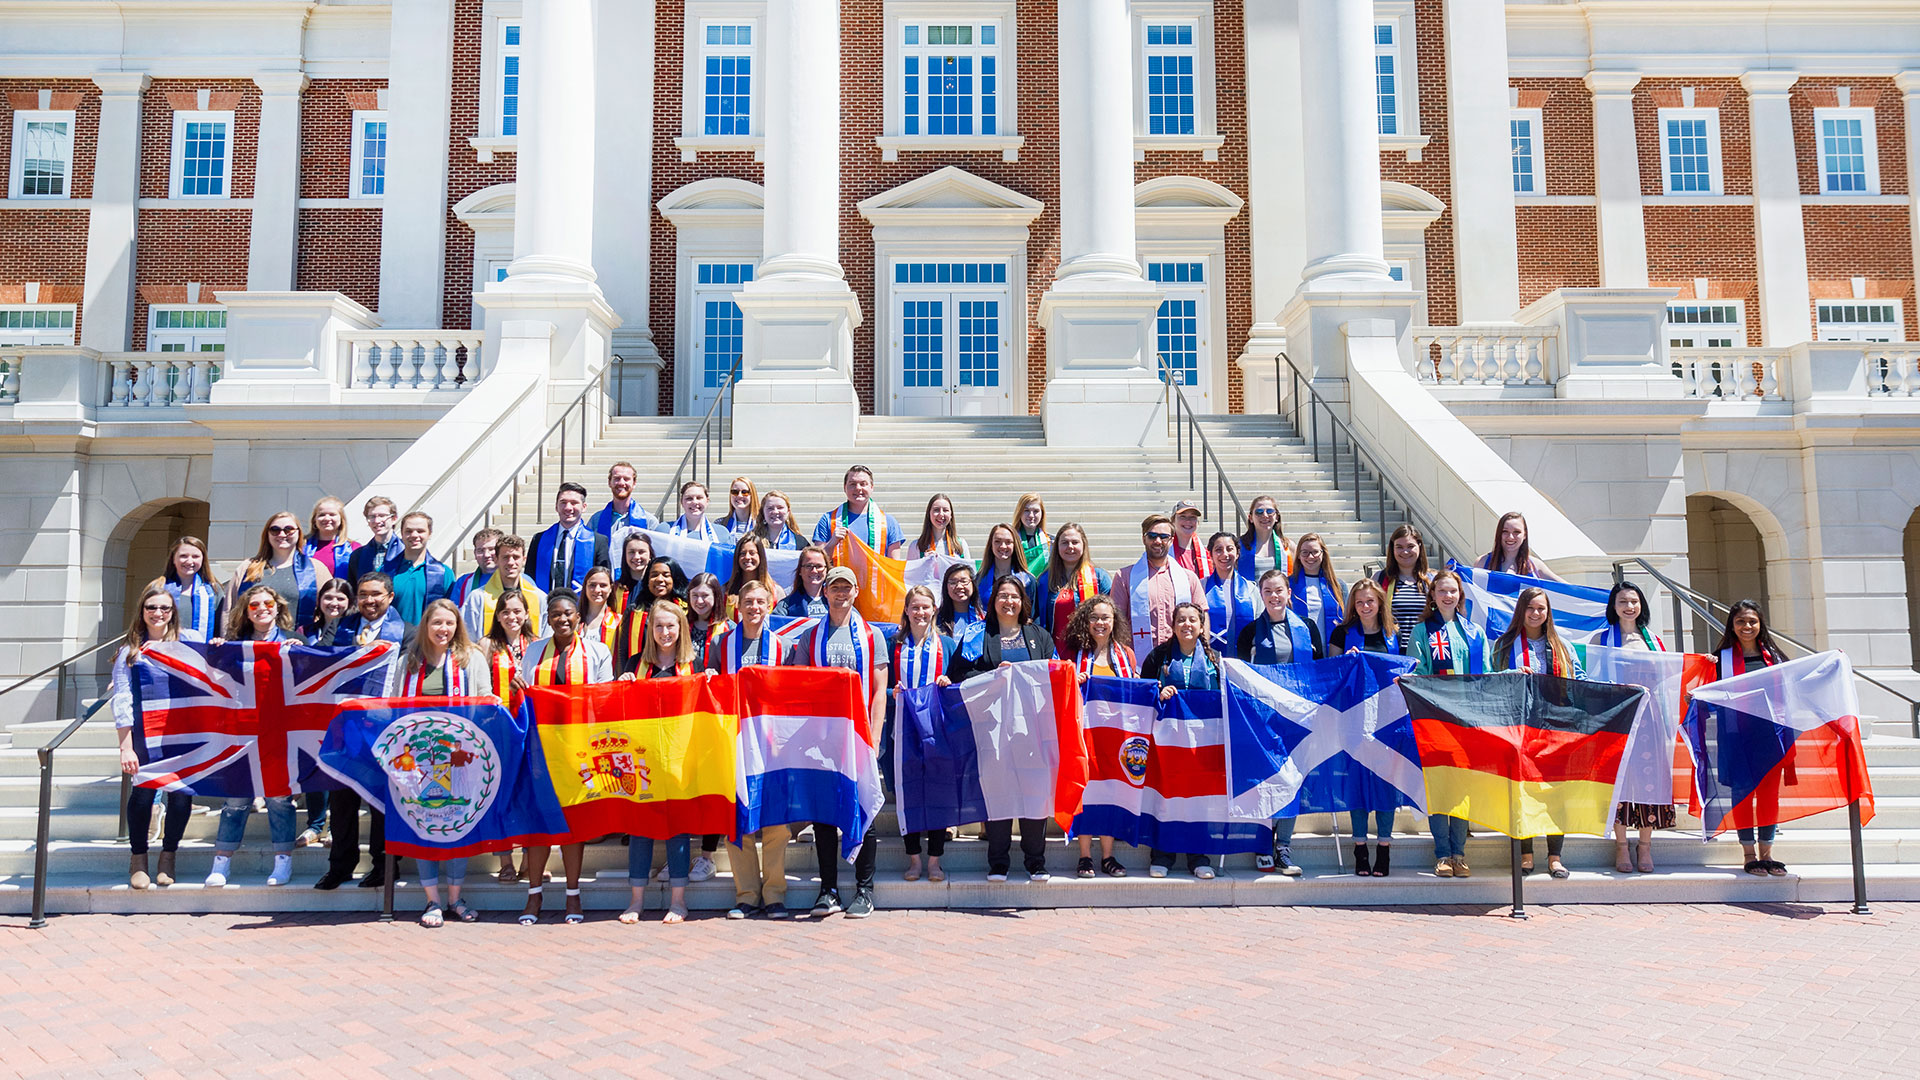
(740, 491)
(262, 605)
(157, 607)
(279, 530)
(1267, 511)
(1162, 537)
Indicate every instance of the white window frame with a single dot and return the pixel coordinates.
(1869, 140)
(1013, 369)
(1735, 331)
(1199, 291)
(1198, 14)
(17, 167)
(38, 336)
(1406, 79)
(176, 186)
(1537, 175)
(716, 220)
(190, 339)
(1716, 179)
(361, 118)
(1856, 329)
(487, 139)
(1006, 139)
(693, 137)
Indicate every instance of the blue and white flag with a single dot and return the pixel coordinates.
(1320, 737)
(1006, 745)
(694, 555)
(1578, 610)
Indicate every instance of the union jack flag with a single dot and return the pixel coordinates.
(245, 719)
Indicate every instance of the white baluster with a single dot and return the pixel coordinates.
(9, 379)
(359, 370)
(439, 352)
(386, 369)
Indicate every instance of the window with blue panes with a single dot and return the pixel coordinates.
(1689, 154)
(1526, 154)
(979, 344)
(509, 78)
(727, 61)
(1386, 76)
(1843, 154)
(949, 273)
(1177, 326)
(205, 155)
(722, 327)
(923, 340)
(1170, 55)
(950, 78)
(369, 154)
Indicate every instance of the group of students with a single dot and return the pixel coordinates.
(586, 600)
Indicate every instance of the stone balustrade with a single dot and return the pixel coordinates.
(1487, 356)
(411, 359)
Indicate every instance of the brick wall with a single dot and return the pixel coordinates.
(1566, 135)
(48, 244)
(1870, 241)
(164, 96)
(1736, 144)
(465, 173)
(1889, 121)
(1431, 173)
(338, 247)
(339, 250)
(1559, 248)
(1714, 242)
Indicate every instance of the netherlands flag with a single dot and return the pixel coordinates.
(1778, 743)
(1001, 746)
(1157, 772)
(806, 752)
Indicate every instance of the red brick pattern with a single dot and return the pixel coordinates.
(1431, 173)
(1736, 144)
(156, 135)
(48, 244)
(326, 135)
(1889, 121)
(80, 95)
(1566, 136)
(1714, 242)
(178, 246)
(338, 248)
(1870, 241)
(1559, 248)
(465, 173)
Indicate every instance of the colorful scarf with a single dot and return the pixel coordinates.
(453, 679)
(572, 669)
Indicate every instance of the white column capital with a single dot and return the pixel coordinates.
(281, 83)
(1611, 83)
(1908, 82)
(122, 83)
(1769, 83)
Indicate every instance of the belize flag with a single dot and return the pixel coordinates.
(1157, 771)
(1005, 745)
(806, 752)
(1778, 743)
(1578, 610)
(456, 776)
(1319, 737)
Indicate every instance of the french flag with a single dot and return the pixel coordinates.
(1777, 743)
(1001, 746)
(806, 752)
(1157, 772)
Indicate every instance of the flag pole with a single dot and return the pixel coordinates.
(386, 890)
(1519, 895)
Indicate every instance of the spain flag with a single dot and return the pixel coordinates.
(1521, 753)
(652, 758)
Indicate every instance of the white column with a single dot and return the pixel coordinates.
(1780, 234)
(1486, 246)
(276, 183)
(796, 382)
(107, 297)
(1616, 181)
(623, 185)
(413, 218)
(1102, 389)
(1276, 187)
(1341, 128)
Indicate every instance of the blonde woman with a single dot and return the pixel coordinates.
(1532, 644)
(776, 522)
(743, 507)
(326, 542)
(1030, 525)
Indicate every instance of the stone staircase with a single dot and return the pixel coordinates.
(983, 465)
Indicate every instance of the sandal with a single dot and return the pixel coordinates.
(1085, 868)
(528, 918)
(464, 913)
(630, 916)
(1776, 867)
(1756, 867)
(676, 913)
(1111, 867)
(1559, 873)
(574, 918)
(432, 917)
(507, 875)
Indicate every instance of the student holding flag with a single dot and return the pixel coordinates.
(1628, 615)
(843, 639)
(510, 560)
(376, 555)
(506, 646)
(922, 656)
(1511, 555)
(661, 581)
(760, 859)
(1030, 529)
(743, 508)
(1278, 636)
(1011, 636)
(325, 541)
(280, 565)
(860, 516)
(668, 653)
(1145, 593)
(1088, 644)
(1746, 645)
(1264, 546)
(1445, 643)
(1232, 600)
(776, 522)
(485, 543)
(564, 658)
(564, 551)
(440, 661)
(1185, 662)
(1315, 587)
(156, 620)
(1406, 576)
(190, 582)
(261, 615)
(1004, 560)
(807, 598)
(939, 532)
(1070, 579)
(1532, 644)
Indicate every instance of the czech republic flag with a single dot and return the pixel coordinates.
(1778, 743)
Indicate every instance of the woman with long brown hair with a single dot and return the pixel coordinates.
(1532, 644)
(156, 619)
(279, 564)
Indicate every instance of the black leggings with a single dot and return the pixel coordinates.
(140, 819)
(936, 842)
(709, 843)
(1555, 841)
(826, 851)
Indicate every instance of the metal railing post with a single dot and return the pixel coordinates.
(583, 418)
(1313, 421)
(41, 837)
(563, 448)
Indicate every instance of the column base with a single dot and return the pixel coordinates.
(1105, 412)
(1316, 328)
(1102, 387)
(796, 383)
(583, 326)
(1263, 374)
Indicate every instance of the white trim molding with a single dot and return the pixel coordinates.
(720, 219)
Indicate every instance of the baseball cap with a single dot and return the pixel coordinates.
(1183, 506)
(842, 573)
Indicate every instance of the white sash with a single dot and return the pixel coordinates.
(1139, 612)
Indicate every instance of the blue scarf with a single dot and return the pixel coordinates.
(1297, 632)
(920, 664)
(1190, 672)
(1446, 661)
(1330, 610)
(199, 605)
(540, 559)
(1231, 604)
(304, 577)
(389, 628)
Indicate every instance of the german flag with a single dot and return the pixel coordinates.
(1521, 753)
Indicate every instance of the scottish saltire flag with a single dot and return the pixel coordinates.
(455, 776)
(1778, 743)
(806, 752)
(1319, 737)
(1006, 745)
(1578, 610)
(1648, 772)
(695, 556)
(245, 719)
(1157, 772)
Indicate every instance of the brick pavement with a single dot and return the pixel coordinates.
(1590, 991)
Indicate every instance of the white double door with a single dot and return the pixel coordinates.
(950, 353)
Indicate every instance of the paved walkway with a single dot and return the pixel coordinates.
(1590, 991)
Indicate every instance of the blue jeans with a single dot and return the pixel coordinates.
(1765, 831)
(640, 860)
(1283, 834)
(1449, 836)
(233, 824)
(1382, 825)
(430, 872)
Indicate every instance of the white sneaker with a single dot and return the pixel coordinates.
(222, 866)
(1040, 877)
(282, 870)
(1204, 873)
(701, 870)
(1156, 871)
(996, 878)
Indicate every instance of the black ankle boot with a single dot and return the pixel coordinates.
(1360, 867)
(1380, 861)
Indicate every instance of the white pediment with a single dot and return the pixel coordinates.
(717, 201)
(951, 195)
(1183, 202)
(492, 204)
(1404, 207)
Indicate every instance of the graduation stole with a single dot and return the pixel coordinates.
(1139, 607)
(201, 603)
(682, 667)
(876, 524)
(1033, 547)
(1522, 656)
(303, 578)
(1613, 638)
(1084, 587)
(1442, 635)
(637, 632)
(503, 663)
(731, 648)
(571, 668)
(921, 663)
(606, 626)
(453, 681)
(341, 547)
(1119, 656)
(1187, 663)
(383, 552)
(707, 530)
(1734, 661)
(1297, 633)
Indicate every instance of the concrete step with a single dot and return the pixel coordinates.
(97, 733)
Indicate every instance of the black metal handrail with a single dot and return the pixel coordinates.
(595, 390)
(43, 829)
(1361, 455)
(715, 427)
(1715, 612)
(1181, 418)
